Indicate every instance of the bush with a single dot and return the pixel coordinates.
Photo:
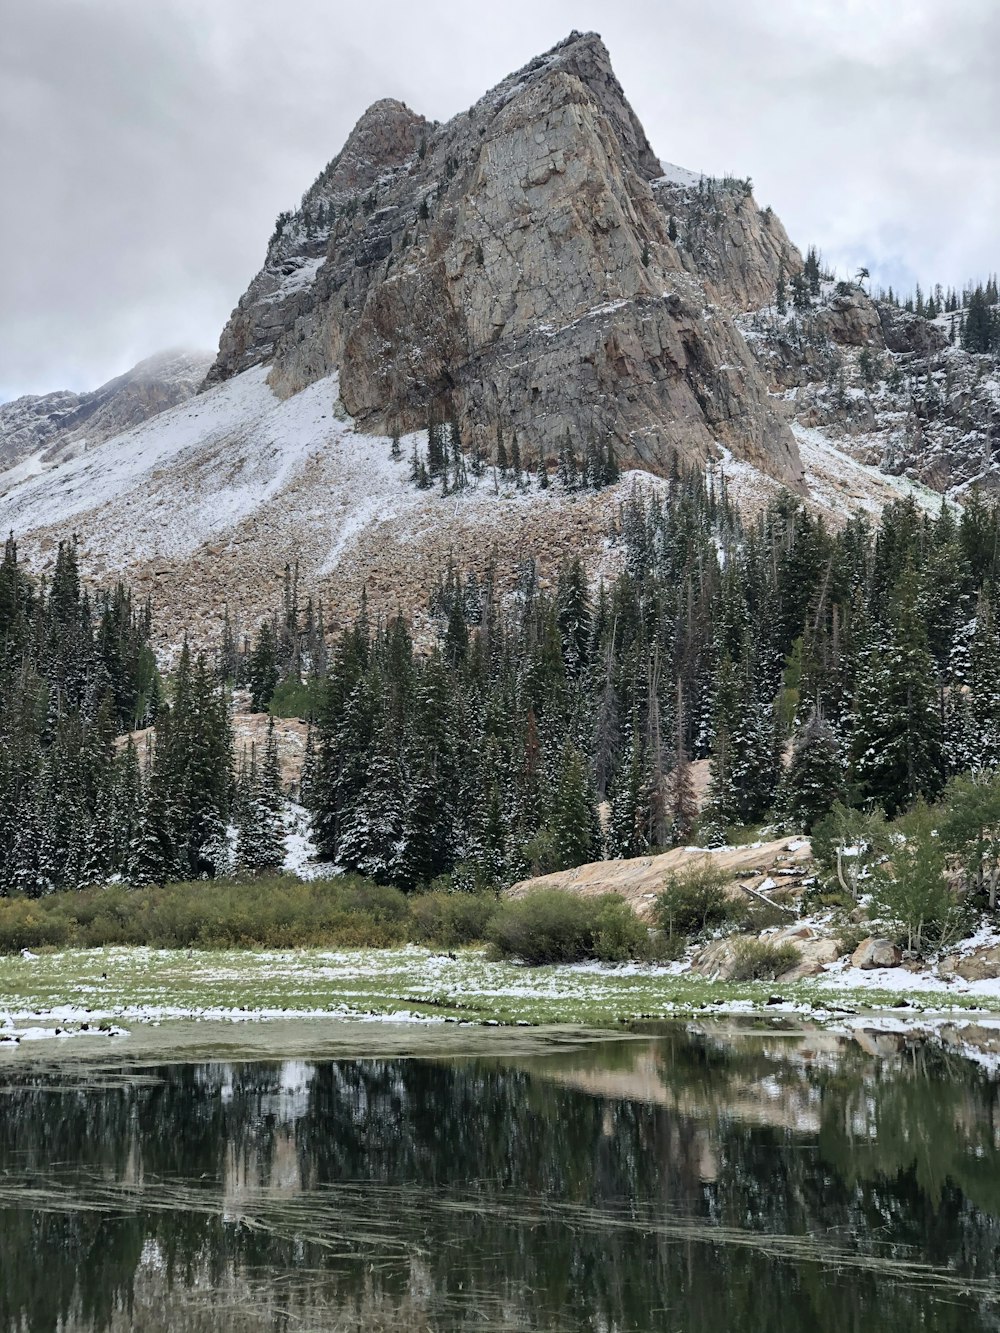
(555, 926)
(24, 924)
(693, 903)
(451, 919)
(912, 894)
(618, 933)
(276, 912)
(760, 960)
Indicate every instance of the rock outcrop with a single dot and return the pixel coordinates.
(514, 269)
(872, 953)
(57, 426)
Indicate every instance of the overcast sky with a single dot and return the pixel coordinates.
(146, 146)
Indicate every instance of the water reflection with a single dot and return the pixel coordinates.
(697, 1181)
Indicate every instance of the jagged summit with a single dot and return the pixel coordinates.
(385, 138)
(519, 269)
(584, 56)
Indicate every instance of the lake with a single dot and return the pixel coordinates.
(699, 1178)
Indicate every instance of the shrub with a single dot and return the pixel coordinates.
(555, 926)
(912, 894)
(277, 912)
(760, 960)
(296, 698)
(25, 924)
(451, 919)
(693, 903)
(618, 933)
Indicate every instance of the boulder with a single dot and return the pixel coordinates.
(716, 959)
(873, 952)
(814, 957)
(981, 965)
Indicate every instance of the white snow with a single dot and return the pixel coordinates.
(674, 175)
(844, 485)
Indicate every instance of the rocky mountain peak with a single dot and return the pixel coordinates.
(584, 57)
(519, 270)
(386, 137)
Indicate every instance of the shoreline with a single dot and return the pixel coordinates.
(115, 997)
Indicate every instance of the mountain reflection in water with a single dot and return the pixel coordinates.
(699, 1181)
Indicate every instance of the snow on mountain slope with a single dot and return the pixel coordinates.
(674, 175)
(203, 506)
(841, 484)
(61, 425)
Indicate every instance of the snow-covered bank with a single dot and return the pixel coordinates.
(110, 992)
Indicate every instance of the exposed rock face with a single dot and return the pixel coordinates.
(514, 269)
(851, 320)
(384, 140)
(736, 249)
(62, 424)
(872, 953)
(904, 331)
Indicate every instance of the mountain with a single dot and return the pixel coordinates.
(513, 269)
(54, 427)
(533, 275)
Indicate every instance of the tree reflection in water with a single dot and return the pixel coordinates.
(696, 1181)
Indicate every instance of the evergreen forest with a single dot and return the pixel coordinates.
(544, 727)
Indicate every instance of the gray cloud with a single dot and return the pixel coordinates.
(146, 149)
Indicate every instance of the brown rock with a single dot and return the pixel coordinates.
(872, 953)
(982, 965)
(516, 273)
(814, 956)
(851, 319)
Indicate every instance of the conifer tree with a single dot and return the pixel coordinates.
(815, 776)
(896, 745)
(576, 829)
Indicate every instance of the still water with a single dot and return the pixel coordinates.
(698, 1181)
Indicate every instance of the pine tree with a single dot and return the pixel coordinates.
(815, 776)
(262, 668)
(576, 829)
(896, 746)
(626, 831)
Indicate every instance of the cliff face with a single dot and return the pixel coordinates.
(514, 269)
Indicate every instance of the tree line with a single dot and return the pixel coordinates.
(542, 728)
(80, 802)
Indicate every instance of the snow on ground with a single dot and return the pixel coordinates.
(674, 175)
(839, 483)
(184, 476)
(301, 857)
(205, 504)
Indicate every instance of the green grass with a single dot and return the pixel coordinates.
(129, 985)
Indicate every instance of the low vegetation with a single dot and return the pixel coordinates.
(272, 912)
(693, 903)
(761, 960)
(555, 926)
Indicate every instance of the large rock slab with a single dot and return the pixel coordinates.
(980, 965)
